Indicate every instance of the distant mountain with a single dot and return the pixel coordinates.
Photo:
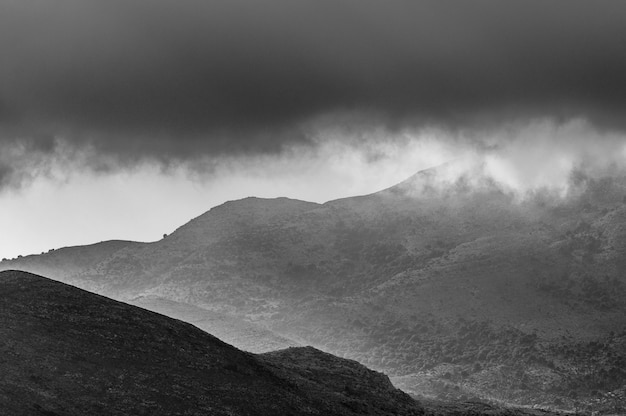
(65, 351)
(455, 288)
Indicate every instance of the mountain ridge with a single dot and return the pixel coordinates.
(445, 291)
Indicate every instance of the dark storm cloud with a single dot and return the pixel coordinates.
(182, 78)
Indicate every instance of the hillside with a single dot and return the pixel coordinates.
(246, 335)
(460, 291)
(67, 261)
(65, 351)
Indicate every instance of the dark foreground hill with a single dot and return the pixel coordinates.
(64, 351)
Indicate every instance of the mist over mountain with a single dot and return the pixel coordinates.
(456, 289)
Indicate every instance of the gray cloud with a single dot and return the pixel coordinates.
(6, 173)
(178, 79)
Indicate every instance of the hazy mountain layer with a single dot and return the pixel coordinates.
(456, 291)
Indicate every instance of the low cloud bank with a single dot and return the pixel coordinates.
(539, 154)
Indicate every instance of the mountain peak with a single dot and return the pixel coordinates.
(250, 211)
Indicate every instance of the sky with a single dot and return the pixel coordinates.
(123, 119)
